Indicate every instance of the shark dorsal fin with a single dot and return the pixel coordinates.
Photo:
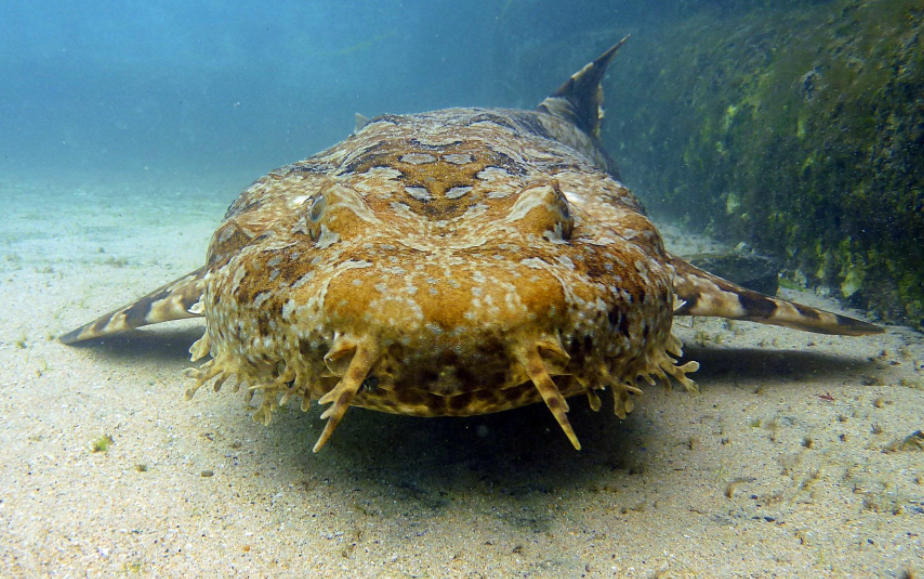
(361, 121)
(580, 99)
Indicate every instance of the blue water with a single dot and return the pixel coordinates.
(178, 88)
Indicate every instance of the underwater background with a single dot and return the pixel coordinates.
(793, 130)
(795, 127)
(203, 87)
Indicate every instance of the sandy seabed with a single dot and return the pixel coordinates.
(797, 459)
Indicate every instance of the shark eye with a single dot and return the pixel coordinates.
(317, 208)
(541, 209)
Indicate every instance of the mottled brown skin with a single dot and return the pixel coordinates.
(457, 262)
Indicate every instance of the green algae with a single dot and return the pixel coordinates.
(101, 444)
(799, 130)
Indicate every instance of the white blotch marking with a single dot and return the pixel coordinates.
(239, 274)
(498, 194)
(301, 226)
(565, 261)
(491, 173)
(457, 192)
(418, 193)
(226, 234)
(458, 158)
(402, 210)
(327, 237)
(574, 198)
(437, 141)
(260, 299)
(304, 279)
(473, 212)
(534, 263)
(417, 158)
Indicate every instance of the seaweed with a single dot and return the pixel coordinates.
(799, 130)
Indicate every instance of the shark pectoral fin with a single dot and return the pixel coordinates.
(701, 293)
(174, 301)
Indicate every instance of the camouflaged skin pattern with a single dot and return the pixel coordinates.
(456, 262)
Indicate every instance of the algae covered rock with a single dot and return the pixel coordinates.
(800, 130)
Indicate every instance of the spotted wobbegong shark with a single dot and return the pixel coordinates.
(450, 263)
